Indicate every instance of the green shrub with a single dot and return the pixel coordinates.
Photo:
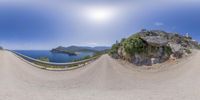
(134, 44)
(199, 46)
(86, 57)
(188, 51)
(114, 48)
(167, 50)
(46, 59)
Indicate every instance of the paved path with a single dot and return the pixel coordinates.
(104, 79)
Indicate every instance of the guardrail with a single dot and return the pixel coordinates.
(51, 64)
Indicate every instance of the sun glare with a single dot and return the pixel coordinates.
(100, 14)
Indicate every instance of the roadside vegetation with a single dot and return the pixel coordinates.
(95, 55)
(149, 47)
(134, 44)
(46, 59)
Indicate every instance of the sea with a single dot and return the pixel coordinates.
(54, 57)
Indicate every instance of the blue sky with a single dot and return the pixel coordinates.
(47, 24)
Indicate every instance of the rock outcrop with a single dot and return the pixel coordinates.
(151, 47)
(155, 40)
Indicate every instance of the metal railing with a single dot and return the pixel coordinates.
(51, 64)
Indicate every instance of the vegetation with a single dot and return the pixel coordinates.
(167, 50)
(114, 48)
(48, 66)
(71, 50)
(46, 59)
(95, 55)
(134, 44)
(199, 46)
(144, 46)
(188, 51)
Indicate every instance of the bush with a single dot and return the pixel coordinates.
(167, 50)
(134, 45)
(199, 46)
(188, 51)
(114, 48)
(46, 59)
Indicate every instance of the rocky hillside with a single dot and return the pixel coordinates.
(81, 49)
(1, 48)
(149, 47)
(61, 49)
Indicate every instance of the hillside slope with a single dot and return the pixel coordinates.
(153, 46)
(81, 49)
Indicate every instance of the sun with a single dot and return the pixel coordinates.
(100, 14)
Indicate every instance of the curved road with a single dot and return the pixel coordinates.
(104, 79)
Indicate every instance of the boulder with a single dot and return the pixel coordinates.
(177, 50)
(155, 60)
(175, 47)
(140, 59)
(155, 40)
(178, 54)
(123, 55)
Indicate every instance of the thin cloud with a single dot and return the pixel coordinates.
(158, 23)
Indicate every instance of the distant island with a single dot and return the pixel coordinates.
(61, 49)
(72, 50)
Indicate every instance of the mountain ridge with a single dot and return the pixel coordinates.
(74, 49)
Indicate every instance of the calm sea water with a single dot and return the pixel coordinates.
(53, 57)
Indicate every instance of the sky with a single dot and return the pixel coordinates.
(46, 24)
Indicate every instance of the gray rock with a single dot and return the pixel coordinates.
(177, 50)
(155, 40)
(141, 59)
(155, 60)
(175, 47)
(178, 54)
(122, 54)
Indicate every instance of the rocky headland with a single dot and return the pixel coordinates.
(149, 47)
(1, 48)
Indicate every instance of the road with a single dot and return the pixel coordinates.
(103, 79)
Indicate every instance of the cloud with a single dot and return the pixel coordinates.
(158, 23)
